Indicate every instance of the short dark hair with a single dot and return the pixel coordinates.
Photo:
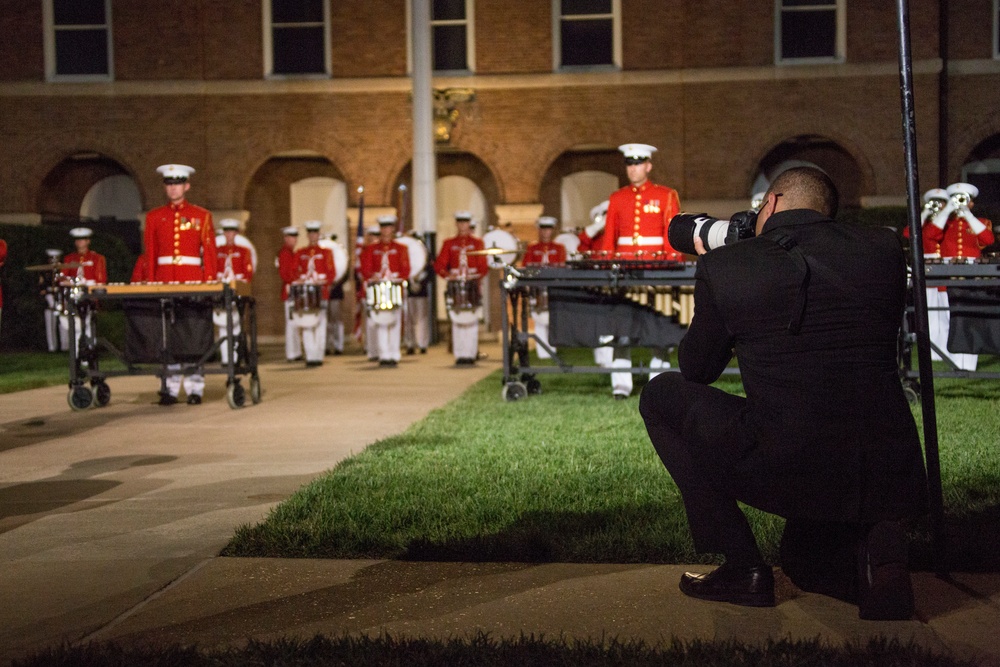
(807, 187)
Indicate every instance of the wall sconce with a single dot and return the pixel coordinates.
(447, 111)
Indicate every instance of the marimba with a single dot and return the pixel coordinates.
(152, 310)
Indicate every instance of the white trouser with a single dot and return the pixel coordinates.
(418, 326)
(938, 325)
(371, 338)
(194, 384)
(80, 328)
(621, 383)
(464, 335)
(224, 348)
(603, 356)
(335, 325)
(541, 319)
(52, 326)
(293, 344)
(314, 338)
(388, 328)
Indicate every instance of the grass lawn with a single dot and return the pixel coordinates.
(570, 476)
(30, 370)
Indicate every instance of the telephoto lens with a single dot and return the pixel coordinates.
(714, 233)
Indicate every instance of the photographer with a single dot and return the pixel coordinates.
(824, 437)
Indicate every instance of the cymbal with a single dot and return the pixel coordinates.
(53, 267)
(493, 251)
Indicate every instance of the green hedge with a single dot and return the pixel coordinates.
(23, 327)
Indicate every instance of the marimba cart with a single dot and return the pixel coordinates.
(974, 301)
(592, 303)
(166, 324)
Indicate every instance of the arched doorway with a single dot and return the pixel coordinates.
(815, 151)
(578, 180)
(269, 200)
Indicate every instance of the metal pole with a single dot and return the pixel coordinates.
(424, 165)
(931, 453)
(943, 168)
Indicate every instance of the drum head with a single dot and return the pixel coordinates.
(339, 258)
(417, 252)
(498, 238)
(570, 241)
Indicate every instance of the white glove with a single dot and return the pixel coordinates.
(974, 223)
(596, 228)
(941, 219)
(930, 208)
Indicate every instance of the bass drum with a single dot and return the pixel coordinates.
(340, 261)
(571, 242)
(498, 238)
(417, 252)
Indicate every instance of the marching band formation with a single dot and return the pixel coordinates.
(392, 270)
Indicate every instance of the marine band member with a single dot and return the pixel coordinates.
(383, 260)
(463, 270)
(544, 252)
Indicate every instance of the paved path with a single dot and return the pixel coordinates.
(111, 519)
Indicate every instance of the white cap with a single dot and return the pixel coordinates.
(935, 193)
(547, 221)
(637, 151)
(81, 232)
(463, 215)
(387, 219)
(600, 209)
(964, 188)
(371, 228)
(175, 173)
(290, 231)
(53, 253)
(313, 225)
(229, 223)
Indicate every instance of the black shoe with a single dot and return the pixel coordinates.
(372, 358)
(337, 353)
(750, 586)
(423, 350)
(193, 399)
(620, 397)
(885, 592)
(298, 358)
(410, 351)
(167, 399)
(313, 364)
(387, 362)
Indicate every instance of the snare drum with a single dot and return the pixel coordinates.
(463, 295)
(385, 294)
(306, 298)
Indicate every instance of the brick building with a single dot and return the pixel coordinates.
(286, 108)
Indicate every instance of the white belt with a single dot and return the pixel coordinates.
(642, 240)
(179, 260)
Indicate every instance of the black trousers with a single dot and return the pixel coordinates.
(701, 436)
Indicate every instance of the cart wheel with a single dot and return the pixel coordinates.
(255, 389)
(80, 397)
(102, 393)
(912, 392)
(236, 395)
(514, 391)
(534, 386)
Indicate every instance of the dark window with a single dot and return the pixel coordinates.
(80, 38)
(808, 29)
(298, 37)
(450, 35)
(586, 33)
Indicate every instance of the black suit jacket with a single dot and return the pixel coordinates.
(825, 423)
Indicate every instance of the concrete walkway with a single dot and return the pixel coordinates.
(111, 519)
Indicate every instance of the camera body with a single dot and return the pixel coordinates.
(684, 228)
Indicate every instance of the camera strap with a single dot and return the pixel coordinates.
(791, 246)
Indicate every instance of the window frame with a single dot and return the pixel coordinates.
(840, 40)
(470, 39)
(50, 30)
(616, 39)
(268, 39)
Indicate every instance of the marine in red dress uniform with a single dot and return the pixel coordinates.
(93, 269)
(639, 213)
(3, 258)
(592, 236)
(288, 270)
(314, 264)
(544, 252)
(237, 258)
(386, 259)
(453, 263)
(636, 228)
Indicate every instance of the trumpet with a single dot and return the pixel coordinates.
(961, 200)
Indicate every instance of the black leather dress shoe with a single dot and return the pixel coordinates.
(885, 592)
(194, 399)
(167, 399)
(742, 585)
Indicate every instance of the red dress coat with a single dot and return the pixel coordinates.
(540, 253)
(95, 268)
(240, 258)
(449, 259)
(374, 254)
(321, 261)
(180, 244)
(638, 217)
